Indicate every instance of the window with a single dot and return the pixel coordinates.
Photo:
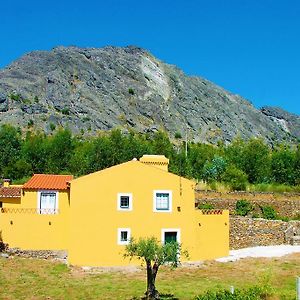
(162, 201)
(47, 202)
(170, 235)
(124, 201)
(124, 235)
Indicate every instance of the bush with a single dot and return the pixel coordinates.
(3, 246)
(205, 206)
(65, 111)
(253, 293)
(52, 126)
(15, 97)
(243, 207)
(268, 212)
(131, 91)
(30, 123)
(178, 135)
(235, 178)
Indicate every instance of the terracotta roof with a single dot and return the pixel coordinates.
(10, 192)
(48, 182)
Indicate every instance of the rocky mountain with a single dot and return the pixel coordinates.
(289, 122)
(89, 89)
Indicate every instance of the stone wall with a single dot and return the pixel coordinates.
(41, 254)
(247, 232)
(285, 204)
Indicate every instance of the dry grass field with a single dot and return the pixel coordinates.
(22, 278)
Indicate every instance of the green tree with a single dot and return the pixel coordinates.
(60, 150)
(161, 144)
(214, 170)
(10, 145)
(282, 164)
(198, 155)
(81, 162)
(34, 151)
(154, 254)
(235, 178)
(235, 153)
(257, 161)
(297, 166)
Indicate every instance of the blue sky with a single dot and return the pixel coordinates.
(251, 48)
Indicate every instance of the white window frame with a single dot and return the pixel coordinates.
(128, 236)
(119, 202)
(170, 201)
(164, 230)
(39, 202)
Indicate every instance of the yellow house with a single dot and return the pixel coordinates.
(36, 218)
(95, 216)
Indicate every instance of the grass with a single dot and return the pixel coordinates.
(41, 279)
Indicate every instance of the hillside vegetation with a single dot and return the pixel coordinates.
(236, 165)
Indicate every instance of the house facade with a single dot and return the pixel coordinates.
(93, 217)
(37, 217)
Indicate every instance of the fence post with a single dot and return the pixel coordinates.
(298, 288)
(232, 289)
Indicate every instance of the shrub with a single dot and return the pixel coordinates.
(205, 206)
(65, 111)
(243, 207)
(178, 135)
(15, 97)
(252, 293)
(30, 123)
(52, 126)
(235, 178)
(86, 119)
(131, 91)
(268, 212)
(3, 246)
(26, 101)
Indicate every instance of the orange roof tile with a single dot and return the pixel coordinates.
(10, 192)
(48, 182)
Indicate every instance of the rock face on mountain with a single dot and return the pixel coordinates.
(289, 122)
(89, 89)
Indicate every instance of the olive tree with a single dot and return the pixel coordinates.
(154, 254)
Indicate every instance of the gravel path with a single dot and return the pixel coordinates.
(261, 251)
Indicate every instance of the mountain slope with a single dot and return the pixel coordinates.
(89, 89)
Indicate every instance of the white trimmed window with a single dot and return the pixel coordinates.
(124, 235)
(162, 201)
(124, 201)
(47, 202)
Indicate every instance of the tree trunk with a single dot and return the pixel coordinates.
(151, 293)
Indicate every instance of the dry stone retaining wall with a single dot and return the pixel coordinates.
(285, 204)
(41, 254)
(247, 232)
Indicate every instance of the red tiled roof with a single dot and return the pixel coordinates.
(48, 182)
(10, 192)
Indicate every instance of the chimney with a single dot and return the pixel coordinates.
(6, 182)
(158, 161)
